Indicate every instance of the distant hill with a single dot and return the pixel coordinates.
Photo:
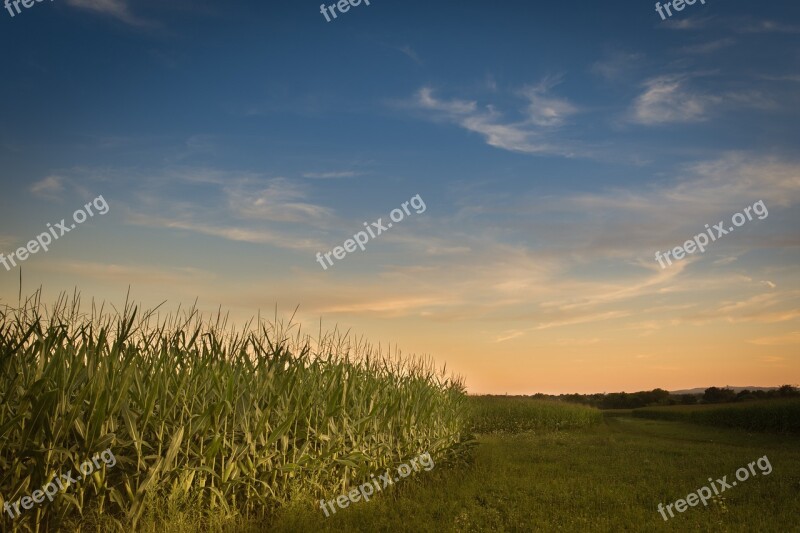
(701, 390)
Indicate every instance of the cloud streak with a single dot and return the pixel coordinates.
(51, 187)
(117, 9)
(531, 134)
(667, 100)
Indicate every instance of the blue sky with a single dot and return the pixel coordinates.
(557, 146)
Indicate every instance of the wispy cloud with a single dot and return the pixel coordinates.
(51, 187)
(594, 317)
(792, 78)
(409, 52)
(766, 308)
(767, 26)
(630, 223)
(255, 208)
(387, 306)
(117, 9)
(330, 175)
(545, 110)
(778, 340)
(617, 231)
(688, 23)
(279, 201)
(233, 233)
(132, 274)
(577, 342)
(708, 47)
(666, 99)
(736, 24)
(530, 134)
(672, 98)
(507, 336)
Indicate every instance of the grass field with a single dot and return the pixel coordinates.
(607, 477)
(776, 416)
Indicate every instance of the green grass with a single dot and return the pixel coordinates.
(776, 416)
(606, 478)
(493, 414)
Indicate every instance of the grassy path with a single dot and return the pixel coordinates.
(607, 478)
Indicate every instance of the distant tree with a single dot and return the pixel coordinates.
(688, 399)
(745, 395)
(717, 395)
(788, 391)
(654, 397)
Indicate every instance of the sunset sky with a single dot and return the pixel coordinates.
(557, 147)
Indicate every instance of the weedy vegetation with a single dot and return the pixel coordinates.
(203, 419)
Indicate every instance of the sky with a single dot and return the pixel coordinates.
(555, 147)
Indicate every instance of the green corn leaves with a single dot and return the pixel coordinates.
(233, 421)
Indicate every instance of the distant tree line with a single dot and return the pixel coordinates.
(718, 395)
(633, 400)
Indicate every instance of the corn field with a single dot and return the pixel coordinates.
(769, 416)
(513, 414)
(234, 421)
